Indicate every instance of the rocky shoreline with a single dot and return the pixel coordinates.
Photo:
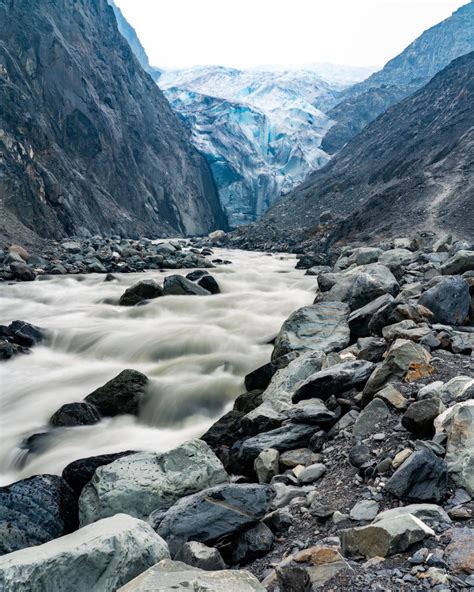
(347, 465)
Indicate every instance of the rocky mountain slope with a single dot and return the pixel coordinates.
(412, 168)
(401, 76)
(260, 130)
(88, 142)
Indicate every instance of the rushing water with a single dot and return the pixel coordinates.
(195, 350)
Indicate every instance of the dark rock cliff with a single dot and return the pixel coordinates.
(410, 169)
(401, 76)
(88, 143)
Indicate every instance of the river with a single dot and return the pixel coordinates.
(195, 350)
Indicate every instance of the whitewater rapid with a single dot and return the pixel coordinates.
(195, 350)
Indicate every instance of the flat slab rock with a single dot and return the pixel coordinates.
(174, 575)
(140, 483)
(97, 558)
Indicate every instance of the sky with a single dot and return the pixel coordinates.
(249, 33)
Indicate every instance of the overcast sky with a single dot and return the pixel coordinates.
(246, 33)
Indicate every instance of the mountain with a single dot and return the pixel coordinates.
(401, 76)
(260, 129)
(411, 169)
(88, 142)
(131, 36)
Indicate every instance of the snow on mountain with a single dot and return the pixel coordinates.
(260, 130)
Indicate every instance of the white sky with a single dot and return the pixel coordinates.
(246, 33)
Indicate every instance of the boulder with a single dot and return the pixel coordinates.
(405, 360)
(209, 283)
(393, 397)
(422, 477)
(34, 511)
(365, 255)
(364, 510)
(334, 380)
(425, 512)
(457, 423)
(122, 394)
(394, 258)
(298, 456)
(320, 327)
(459, 554)
(178, 285)
(251, 544)
(174, 575)
(361, 285)
(449, 301)
(311, 411)
(196, 275)
(201, 556)
(359, 455)
(461, 262)
(140, 483)
(97, 558)
(266, 465)
(420, 415)
(260, 378)
(25, 334)
(371, 419)
(75, 414)
(385, 537)
(20, 251)
(78, 473)
(139, 292)
(213, 513)
(311, 473)
(360, 318)
(22, 271)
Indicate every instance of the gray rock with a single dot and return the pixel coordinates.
(312, 411)
(299, 456)
(140, 483)
(75, 414)
(97, 558)
(201, 556)
(359, 319)
(448, 300)
(334, 380)
(364, 510)
(266, 465)
(251, 544)
(214, 513)
(178, 285)
(359, 455)
(122, 394)
(369, 418)
(420, 415)
(34, 511)
(385, 537)
(312, 473)
(176, 576)
(22, 271)
(462, 261)
(422, 477)
(425, 512)
(209, 283)
(139, 292)
(394, 258)
(320, 327)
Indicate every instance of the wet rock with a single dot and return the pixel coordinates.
(334, 380)
(448, 300)
(22, 271)
(359, 319)
(461, 262)
(253, 543)
(267, 465)
(320, 327)
(201, 556)
(459, 554)
(75, 414)
(420, 415)
(259, 378)
(139, 292)
(34, 511)
(78, 473)
(196, 275)
(101, 556)
(122, 394)
(364, 510)
(422, 477)
(177, 576)
(141, 483)
(209, 283)
(370, 418)
(385, 537)
(178, 285)
(425, 512)
(25, 334)
(214, 513)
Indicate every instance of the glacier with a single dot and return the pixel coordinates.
(259, 129)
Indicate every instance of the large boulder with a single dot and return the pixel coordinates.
(394, 258)
(422, 477)
(420, 415)
(34, 511)
(320, 327)
(385, 537)
(334, 380)
(22, 271)
(97, 558)
(459, 554)
(359, 319)
(256, 541)
(461, 262)
(139, 292)
(214, 513)
(201, 556)
(122, 394)
(360, 285)
(75, 414)
(178, 285)
(449, 300)
(209, 283)
(140, 483)
(371, 419)
(174, 575)
(457, 423)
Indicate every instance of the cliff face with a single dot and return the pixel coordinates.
(410, 169)
(88, 143)
(401, 76)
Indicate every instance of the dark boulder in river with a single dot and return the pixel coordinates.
(75, 414)
(209, 283)
(177, 285)
(144, 290)
(34, 511)
(120, 395)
